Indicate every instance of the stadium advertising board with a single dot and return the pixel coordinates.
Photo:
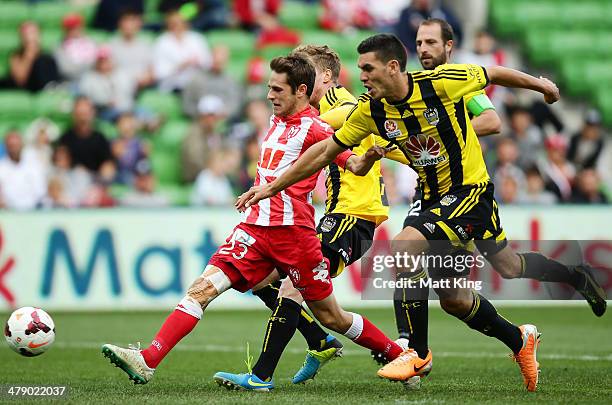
(122, 259)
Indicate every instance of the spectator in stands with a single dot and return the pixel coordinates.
(486, 53)
(143, 194)
(508, 189)
(88, 147)
(128, 149)
(131, 52)
(109, 12)
(56, 197)
(419, 10)
(558, 173)
(258, 116)
(385, 14)
(203, 15)
(252, 15)
(534, 192)
(214, 81)
(111, 90)
(75, 181)
(77, 53)
(394, 196)
(248, 165)
(407, 187)
(342, 16)
(22, 178)
(98, 196)
(543, 114)
(40, 135)
(587, 189)
(212, 186)
(507, 156)
(586, 146)
(30, 68)
(203, 139)
(528, 137)
(261, 16)
(178, 54)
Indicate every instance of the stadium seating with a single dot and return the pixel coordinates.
(167, 168)
(178, 194)
(167, 104)
(15, 105)
(299, 15)
(170, 137)
(603, 98)
(241, 45)
(49, 14)
(53, 104)
(14, 13)
(573, 38)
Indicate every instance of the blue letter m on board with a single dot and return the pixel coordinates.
(60, 247)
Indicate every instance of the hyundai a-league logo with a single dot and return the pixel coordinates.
(392, 129)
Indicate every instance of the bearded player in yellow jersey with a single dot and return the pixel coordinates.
(424, 115)
(355, 206)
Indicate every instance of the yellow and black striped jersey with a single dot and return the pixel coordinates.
(430, 126)
(360, 196)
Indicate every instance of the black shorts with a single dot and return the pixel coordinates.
(344, 239)
(461, 215)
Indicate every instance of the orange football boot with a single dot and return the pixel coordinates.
(407, 365)
(526, 357)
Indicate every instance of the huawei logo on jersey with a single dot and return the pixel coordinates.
(424, 149)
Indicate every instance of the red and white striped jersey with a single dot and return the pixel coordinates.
(286, 140)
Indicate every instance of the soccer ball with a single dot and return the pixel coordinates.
(29, 331)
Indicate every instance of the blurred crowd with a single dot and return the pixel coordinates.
(48, 165)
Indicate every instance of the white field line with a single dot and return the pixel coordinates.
(352, 352)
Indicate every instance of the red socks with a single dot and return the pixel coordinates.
(178, 325)
(366, 334)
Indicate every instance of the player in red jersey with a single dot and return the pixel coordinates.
(277, 233)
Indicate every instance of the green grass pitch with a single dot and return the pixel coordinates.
(575, 357)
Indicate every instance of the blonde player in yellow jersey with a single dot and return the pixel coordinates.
(424, 115)
(355, 206)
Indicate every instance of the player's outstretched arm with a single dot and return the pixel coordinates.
(507, 77)
(314, 159)
(361, 165)
(487, 123)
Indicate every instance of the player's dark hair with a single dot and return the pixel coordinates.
(298, 70)
(387, 47)
(321, 56)
(445, 28)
